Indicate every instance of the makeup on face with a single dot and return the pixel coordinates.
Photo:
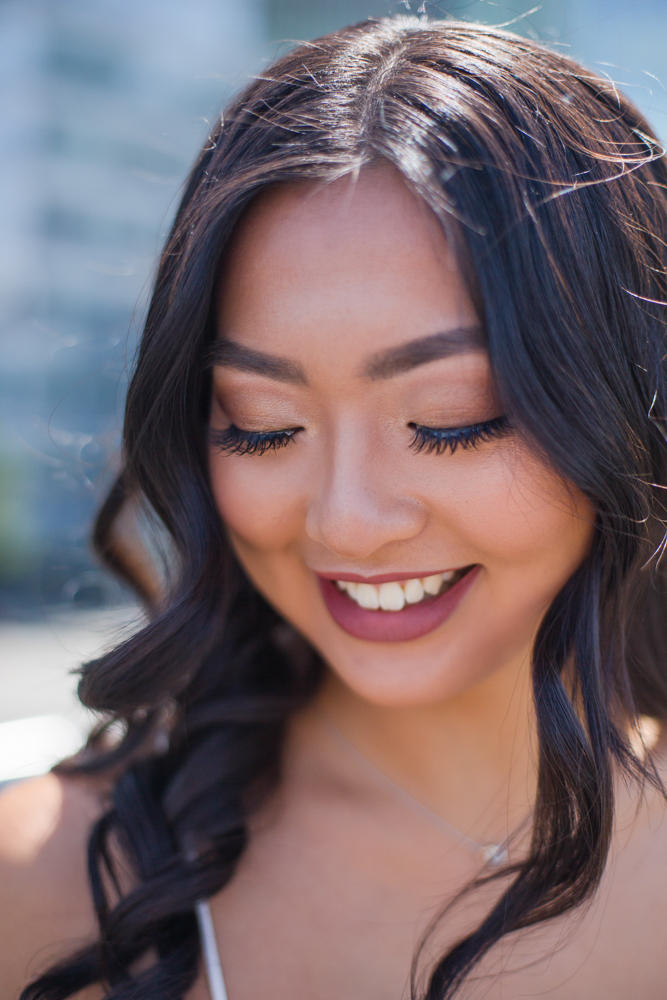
(396, 609)
(369, 481)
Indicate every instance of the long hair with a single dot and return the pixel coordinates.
(554, 190)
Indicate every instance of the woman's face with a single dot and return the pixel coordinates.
(417, 557)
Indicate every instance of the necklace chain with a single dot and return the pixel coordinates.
(492, 854)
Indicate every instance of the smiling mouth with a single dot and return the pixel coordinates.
(396, 595)
(396, 610)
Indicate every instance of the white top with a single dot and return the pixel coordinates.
(209, 946)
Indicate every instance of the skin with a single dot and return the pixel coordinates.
(328, 280)
(341, 877)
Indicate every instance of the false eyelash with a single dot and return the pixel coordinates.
(441, 439)
(237, 442)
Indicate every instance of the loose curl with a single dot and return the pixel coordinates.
(552, 188)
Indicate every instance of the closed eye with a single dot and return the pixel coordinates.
(442, 439)
(235, 441)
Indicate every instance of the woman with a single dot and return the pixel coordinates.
(399, 409)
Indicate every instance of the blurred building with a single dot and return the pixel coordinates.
(103, 104)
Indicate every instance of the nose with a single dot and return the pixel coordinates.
(358, 504)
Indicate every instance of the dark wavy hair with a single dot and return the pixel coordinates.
(554, 190)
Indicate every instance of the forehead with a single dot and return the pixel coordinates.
(356, 265)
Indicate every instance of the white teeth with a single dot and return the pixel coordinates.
(394, 596)
(414, 591)
(367, 596)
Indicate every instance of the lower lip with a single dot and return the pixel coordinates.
(412, 622)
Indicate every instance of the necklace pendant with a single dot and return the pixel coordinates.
(494, 854)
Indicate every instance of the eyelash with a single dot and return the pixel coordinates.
(439, 440)
(235, 441)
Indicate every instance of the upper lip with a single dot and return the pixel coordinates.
(385, 577)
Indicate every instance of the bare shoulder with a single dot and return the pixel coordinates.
(640, 843)
(45, 906)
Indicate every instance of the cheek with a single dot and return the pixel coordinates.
(262, 508)
(514, 514)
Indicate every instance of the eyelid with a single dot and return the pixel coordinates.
(244, 412)
(441, 439)
(236, 441)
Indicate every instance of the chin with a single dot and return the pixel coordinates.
(430, 670)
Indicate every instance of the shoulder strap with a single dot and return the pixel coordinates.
(216, 981)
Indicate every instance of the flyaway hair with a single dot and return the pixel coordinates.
(552, 189)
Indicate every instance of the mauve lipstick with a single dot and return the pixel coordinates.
(412, 622)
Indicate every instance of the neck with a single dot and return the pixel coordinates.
(469, 759)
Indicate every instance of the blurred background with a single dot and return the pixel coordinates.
(103, 106)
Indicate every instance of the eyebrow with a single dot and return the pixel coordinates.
(229, 354)
(396, 360)
(383, 365)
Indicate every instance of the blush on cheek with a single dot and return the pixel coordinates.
(261, 509)
(514, 510)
